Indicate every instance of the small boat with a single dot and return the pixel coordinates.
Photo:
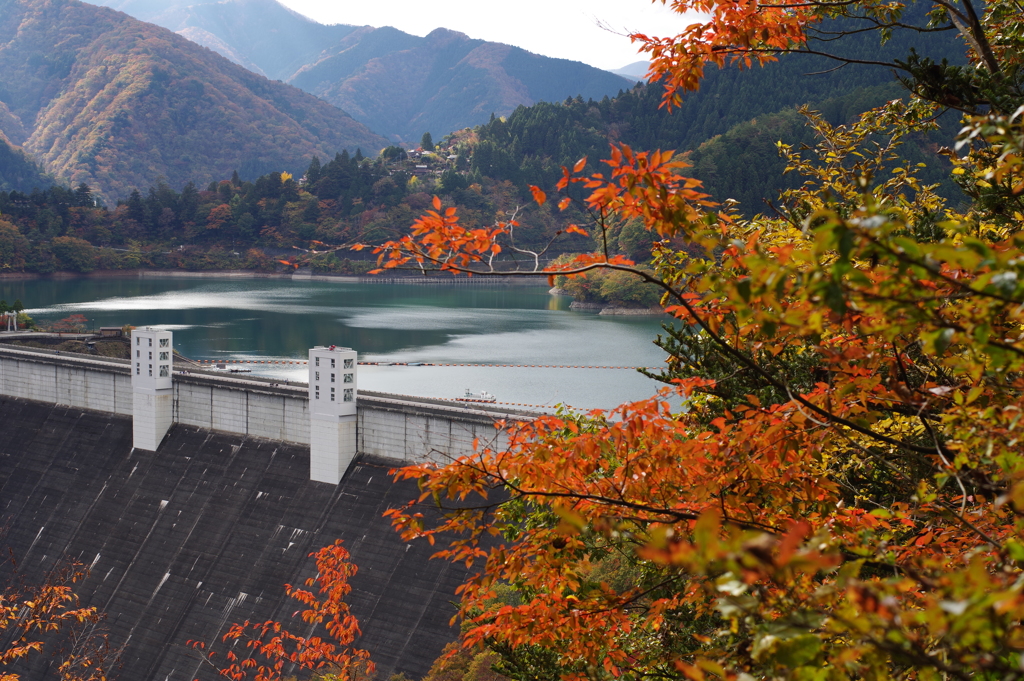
(482, 396)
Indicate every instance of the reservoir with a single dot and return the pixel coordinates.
(479, 326)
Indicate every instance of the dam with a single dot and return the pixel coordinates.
(206, 528)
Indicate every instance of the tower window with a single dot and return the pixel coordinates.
(332, 362)
(138, 369)
(164, 356)
(349, 394)
(164, 371)
(318, 361)
(318, 394)
(317, 374)
(349, 378)
(332, 378)
(164, 342)
(348, 364)
(150, 369)
(150, 342)
(332, 394)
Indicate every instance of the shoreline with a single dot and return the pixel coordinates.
(632, 311)
(607, 309)
(441, 279)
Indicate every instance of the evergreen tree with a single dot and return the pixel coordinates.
(189, 202)
(136, 207)
(83, 195)
(313, 172)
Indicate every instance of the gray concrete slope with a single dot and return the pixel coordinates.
(206, 532)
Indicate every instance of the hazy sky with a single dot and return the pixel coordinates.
(570, 29)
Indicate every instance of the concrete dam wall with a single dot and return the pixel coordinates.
(205, 531)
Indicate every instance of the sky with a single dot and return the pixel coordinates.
(591, 31)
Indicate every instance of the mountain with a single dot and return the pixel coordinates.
(99, 97)
(262, 35)
(398, 84)
(443, 82)
(729, 127)
(635, 71)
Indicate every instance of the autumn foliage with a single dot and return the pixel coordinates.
(47, 618)
(269, 649)
(75, 323)
(843, 496)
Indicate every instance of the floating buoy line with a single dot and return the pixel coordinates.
(302, 362)
(460, 401)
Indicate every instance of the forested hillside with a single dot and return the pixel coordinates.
(234, 224)
(730, 126)
(101, 98)
(342, 199)
(18, 172)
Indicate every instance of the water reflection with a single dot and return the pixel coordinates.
(458, 324)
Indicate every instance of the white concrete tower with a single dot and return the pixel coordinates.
(153, 397)
(332, 412)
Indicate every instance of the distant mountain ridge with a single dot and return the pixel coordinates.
(262, 35)
(101, 98)
(445, 81)
(399, 85)
(635, 71)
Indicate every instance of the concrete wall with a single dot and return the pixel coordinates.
(61, 379)
(393, 426)
(244, 407)
(418, 432)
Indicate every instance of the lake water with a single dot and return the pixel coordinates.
(452, 324)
